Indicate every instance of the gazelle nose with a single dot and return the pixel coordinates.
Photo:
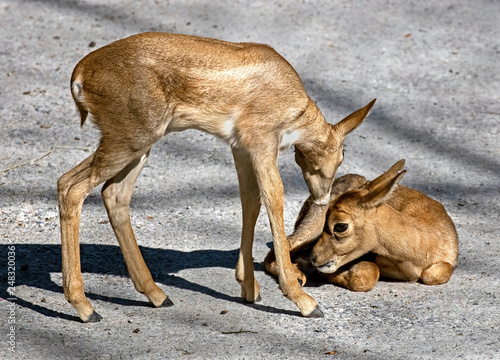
(314, 259)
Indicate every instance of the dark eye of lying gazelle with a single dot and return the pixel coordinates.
(340, 227)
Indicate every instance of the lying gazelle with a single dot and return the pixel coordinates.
(143, 87)
(410, 235)
(308, 228)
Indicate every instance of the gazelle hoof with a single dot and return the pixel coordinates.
(254, 301)
(167, 303)
(316, 313)
(95, 317)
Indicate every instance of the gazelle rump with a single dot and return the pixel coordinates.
(138, 89)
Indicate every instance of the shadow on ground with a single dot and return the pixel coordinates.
(35, 263)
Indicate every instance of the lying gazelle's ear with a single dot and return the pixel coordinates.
(352, 121)
(393, 171)
(385, 185)
(346, 183)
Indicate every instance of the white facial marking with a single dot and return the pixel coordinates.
(328, 268)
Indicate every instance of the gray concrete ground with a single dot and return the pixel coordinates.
(432, 65)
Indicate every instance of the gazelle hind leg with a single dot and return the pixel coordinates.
(250, 202)
(437, 274)
(73, 187)
(117, 193)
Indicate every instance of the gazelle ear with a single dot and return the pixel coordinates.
(346, 183)
(380, 193)
(352, 121)
(389, 174)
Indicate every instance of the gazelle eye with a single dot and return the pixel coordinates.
(340, 227)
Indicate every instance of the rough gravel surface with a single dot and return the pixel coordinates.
(432, 65)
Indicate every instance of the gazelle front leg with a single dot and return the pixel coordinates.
(250, 202)
(361, 276)
(272, 193)
(272, 267)
(117, 193)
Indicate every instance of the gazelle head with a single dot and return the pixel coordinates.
(320, 163)
(348, 233)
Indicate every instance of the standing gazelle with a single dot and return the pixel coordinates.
(141, 88)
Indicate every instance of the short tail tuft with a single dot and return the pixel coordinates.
(76, 91)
